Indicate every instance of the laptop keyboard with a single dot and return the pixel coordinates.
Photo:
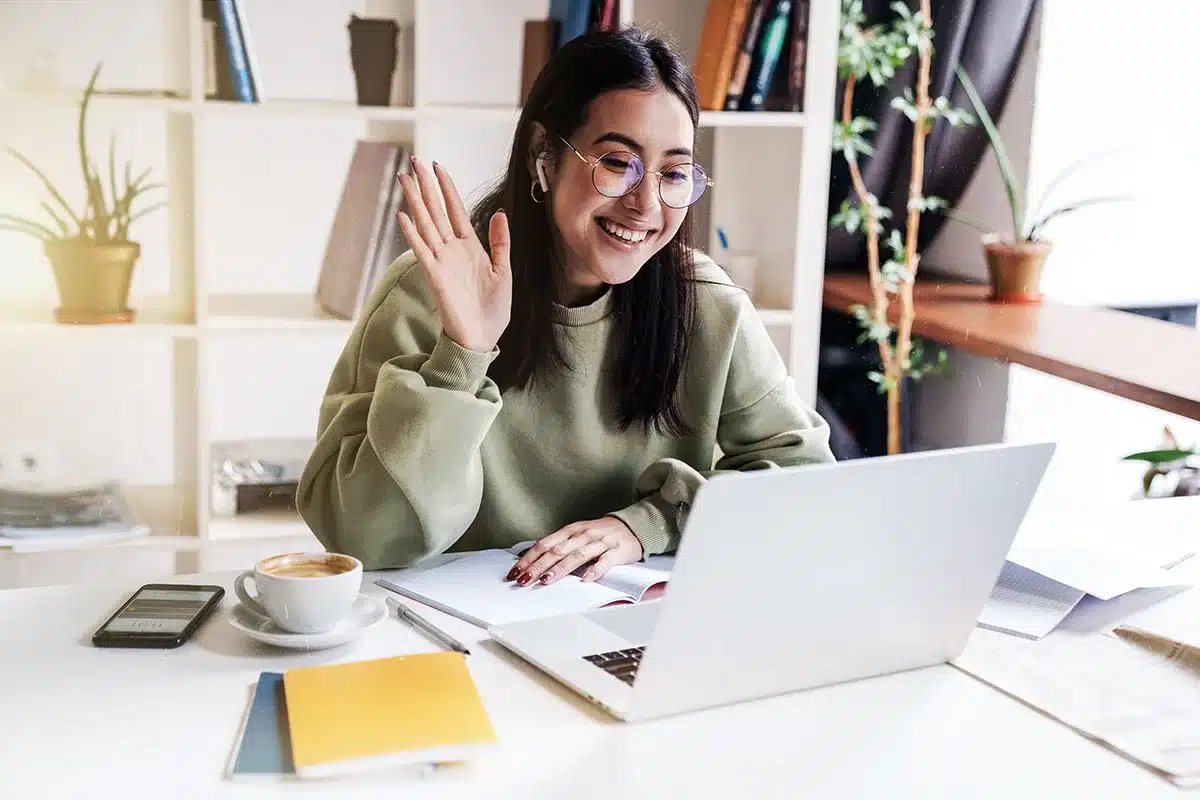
(621, 664)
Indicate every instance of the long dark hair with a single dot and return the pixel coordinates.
(654, 312)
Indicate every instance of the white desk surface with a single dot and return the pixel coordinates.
(82, 722)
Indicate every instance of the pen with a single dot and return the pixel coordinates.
(417, 621)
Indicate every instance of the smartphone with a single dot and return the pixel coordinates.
(159, 615)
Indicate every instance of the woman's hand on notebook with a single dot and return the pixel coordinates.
(603, 543)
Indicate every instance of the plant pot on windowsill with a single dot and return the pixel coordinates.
(1015, 268)
(93, 279)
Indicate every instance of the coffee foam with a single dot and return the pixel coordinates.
(306, 565)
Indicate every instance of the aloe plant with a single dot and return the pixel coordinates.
(1027, 226)
(103, 219)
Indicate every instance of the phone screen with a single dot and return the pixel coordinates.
(160, 611)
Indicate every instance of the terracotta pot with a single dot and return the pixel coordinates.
(1015, 268)
(93, 279)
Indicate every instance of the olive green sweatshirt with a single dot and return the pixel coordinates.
(418, 453)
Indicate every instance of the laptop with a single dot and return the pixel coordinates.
(801, 577)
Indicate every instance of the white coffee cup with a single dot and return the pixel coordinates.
(302, 592)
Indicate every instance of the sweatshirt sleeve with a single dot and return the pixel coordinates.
(395, 474)
(762, 424)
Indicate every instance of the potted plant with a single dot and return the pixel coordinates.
(1015, 262)
(90, 252)
(1173, 470)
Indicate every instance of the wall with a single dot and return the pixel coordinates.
(1108, 255)
(1110, 99)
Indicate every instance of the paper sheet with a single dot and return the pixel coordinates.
(1026, 603)
(1092, 571)
(1139, 697)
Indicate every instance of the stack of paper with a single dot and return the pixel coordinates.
(358, 716)
(1040, 586)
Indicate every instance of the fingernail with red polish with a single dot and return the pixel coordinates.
(545, 578)
(524, 579)
(512, 573)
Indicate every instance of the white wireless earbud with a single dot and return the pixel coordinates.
(541, 173)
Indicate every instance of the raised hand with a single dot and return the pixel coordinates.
(473, 289)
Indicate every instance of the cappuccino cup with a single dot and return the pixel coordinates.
(302, 592)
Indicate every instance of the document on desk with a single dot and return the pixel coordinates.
(1040, 586)
(1137, 695)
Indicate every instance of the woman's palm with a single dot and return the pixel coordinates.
(473, 288)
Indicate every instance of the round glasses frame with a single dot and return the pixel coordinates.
(595, 164)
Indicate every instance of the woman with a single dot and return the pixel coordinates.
(560, 365)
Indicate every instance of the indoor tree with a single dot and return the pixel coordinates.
(874, 53)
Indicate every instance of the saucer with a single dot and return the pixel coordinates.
(366, 613)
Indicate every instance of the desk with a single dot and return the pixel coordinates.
(1141, 359)
(82, 722)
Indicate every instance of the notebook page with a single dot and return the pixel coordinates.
(473, 588)
(630, 579)
(1026, 603)
(635, 579)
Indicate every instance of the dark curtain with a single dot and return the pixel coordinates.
(986, 37)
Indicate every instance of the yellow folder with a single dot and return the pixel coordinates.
(363, 715)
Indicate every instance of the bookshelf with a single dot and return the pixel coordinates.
(227, 336)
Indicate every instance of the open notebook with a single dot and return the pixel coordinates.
(472, 587)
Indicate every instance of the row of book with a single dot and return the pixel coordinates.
(566, 20)
(751, 55)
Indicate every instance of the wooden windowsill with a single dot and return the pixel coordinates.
(1146, 360)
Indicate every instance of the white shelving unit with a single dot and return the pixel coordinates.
(224, 289)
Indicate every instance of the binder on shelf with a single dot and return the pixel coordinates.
(365, 237)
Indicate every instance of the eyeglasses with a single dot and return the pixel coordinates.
(617, 173)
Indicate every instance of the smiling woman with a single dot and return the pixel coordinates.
(560, 363)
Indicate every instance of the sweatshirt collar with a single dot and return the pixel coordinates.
(594, 311)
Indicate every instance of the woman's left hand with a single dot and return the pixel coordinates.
(606, 541)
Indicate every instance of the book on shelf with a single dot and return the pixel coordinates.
(566, 20)
(231, 64)
(365, 237)
(751, 55)
(473, 587)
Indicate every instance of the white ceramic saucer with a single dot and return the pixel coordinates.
(366, 613)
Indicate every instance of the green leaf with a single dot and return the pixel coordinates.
(1036, 228)
(1011, 183)
(969, 221)
(123, 232)
(84, 161)
(112, 173)
(1160, 456)
(62, 226)
(1070, 170)
(29, 226)
(46, 182)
